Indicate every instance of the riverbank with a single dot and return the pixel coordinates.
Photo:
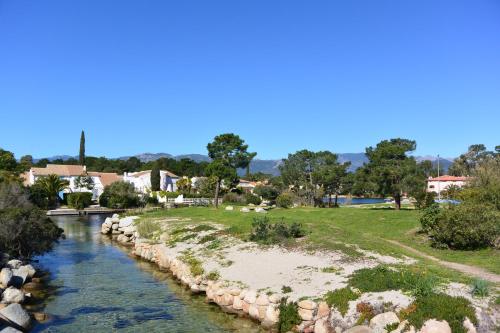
(251, 280)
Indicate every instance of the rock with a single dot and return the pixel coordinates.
(380, 321)
(305, 314)
(307, 305)
(274, 298)
(12, 295)
(234, 291)
(5, 276)
(10, 330)
(40, 316)
(435, 326)
(14, 264)
(321, 326)
(17, 315)
(272, 314)
(260, 210)
(253, 311)
(359, 329)
(19, 277)
(250, 296)
(323, 310)
(245, 210)
(126, 221)
(229, 208)
(129, 231)
(30, 269)
(262, 300)
(237, 303)
(469, 326)
(114, 227)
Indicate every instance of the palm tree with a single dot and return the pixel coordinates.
(52, 185)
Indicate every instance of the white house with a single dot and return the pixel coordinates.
(71, 173)
(142, 180)
(440, 184)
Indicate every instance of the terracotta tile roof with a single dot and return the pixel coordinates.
(106, 178)
(446, 178)
(60, 170)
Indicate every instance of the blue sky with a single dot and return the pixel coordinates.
(167, 76)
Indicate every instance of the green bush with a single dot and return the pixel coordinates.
(268, 233)
(233, 198)
(79, 200)
(267, 192)
(252, 199)
(340, 299)
(429, 217)
(441, 307)
(289, 316)
(195, 265)
(284, 200)
(119, 195)
(466, 226)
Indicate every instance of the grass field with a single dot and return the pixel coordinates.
(369, 228)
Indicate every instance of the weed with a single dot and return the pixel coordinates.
(206, 239)
(289, 316)
(340, 299)
(195, 265)
(148, 228)
(286, 289)
(480, 288)
(213, 276)
(391, 327)
(330, 269)
(214, 245)
(366, 311)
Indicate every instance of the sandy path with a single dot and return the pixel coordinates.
(467, 269)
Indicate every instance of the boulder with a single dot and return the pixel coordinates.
(321, 326)
(260, 210)
(380, 321)
(14, 313)
(250, 296)
(305, 314)
(307, 305)
(30, 269)
(19, 277)
(274, 298)
(14, 263)
(237, 303)
(10, 330)
(272, 314)
(435, 326)
(262, 300)
(323, 310)
(126, 221)
(115, 216)
(5, 276)
(129, 231)
(229, 208)
(469, 326)
(253, 311)
(115, 226)
(245, 209)
(12, 295)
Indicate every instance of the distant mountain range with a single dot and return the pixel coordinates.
(267, 166)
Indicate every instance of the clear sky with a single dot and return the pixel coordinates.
(167, 76)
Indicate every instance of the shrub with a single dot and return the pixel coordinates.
(119, 195)
(233, 198)
(284, 200)
(424, 199)
(480, 288)
(252, 199)
(267, 192)
(79, 200)
(340, 299)
(25, 230)
(441, 307)
(267, 233)
(466, 226)
(213, 276)
(289, 316)
(429, 217)
(38, 196)
(286, 289)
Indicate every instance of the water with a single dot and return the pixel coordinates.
(99, 288)
(356, 201)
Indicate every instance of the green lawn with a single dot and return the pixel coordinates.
(334, 228)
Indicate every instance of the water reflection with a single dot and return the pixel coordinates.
(99, 288)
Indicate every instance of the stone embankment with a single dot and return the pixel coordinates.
(17, 279)
(262, 306)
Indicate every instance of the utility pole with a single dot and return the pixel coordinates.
(439, 184)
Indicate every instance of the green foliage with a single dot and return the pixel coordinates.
(184, 185)
(52, 185)
(441, 307)
(81, 155)
(252, 199)
(286, 289)
(429, 216)
(233, 198)
(424, 199)
(466, 226)
(382, 278)
(289, 316)
(25, 231)
(155, 178)
(206, 239)
(480, 288)
(84, 182)
(195, 265)
(266, 192)
(119, 195)
(268, 233)
(206, 186)
(7, 161)
(284, 200)
(340, 299)
(148, 228)
(391, 327)
(213, 276)
(38, 196)
(79, 200)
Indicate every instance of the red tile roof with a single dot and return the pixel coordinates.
(106, 177)
(446, 178)
(60, 170)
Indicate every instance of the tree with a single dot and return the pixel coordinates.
(84, 182)
(155, 178)
(267, 192)
(250, 157)
(390, 168)
(119, 195)
(26, 162)
(52, 185)
(7, 160)
(465, 164)
(296, 172)
(184, 185)
(330, 175)
(81, 157)
(228, 153)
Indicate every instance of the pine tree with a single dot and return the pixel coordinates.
(155, 178)
(82, 149)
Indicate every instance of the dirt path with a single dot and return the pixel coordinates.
(466, 269)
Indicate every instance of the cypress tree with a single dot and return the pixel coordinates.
(82, 149)
(155, 178)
